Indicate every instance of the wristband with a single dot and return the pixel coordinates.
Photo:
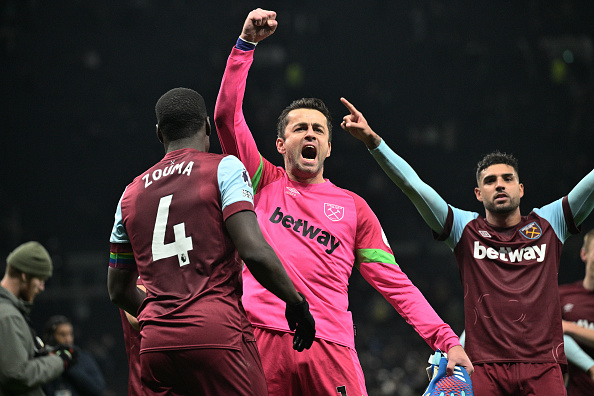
(245, 45)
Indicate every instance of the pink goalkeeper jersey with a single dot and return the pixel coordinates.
(319, 231)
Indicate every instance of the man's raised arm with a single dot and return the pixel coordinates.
(427, 201)
(581, 198)
(234, 134)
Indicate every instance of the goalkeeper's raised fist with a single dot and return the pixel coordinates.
(299, 319)
(440, 384)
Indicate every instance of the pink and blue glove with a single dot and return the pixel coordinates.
(458, 384)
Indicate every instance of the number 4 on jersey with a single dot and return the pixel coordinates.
(182, 244)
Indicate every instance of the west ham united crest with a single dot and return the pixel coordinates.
(333, 212)
(531, 231)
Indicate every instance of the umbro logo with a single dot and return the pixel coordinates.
(568, 307)
(292, 191)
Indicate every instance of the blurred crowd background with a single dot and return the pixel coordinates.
(443, 82)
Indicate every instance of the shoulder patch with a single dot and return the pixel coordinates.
(246, 178)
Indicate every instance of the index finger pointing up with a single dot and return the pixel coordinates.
(349, 105)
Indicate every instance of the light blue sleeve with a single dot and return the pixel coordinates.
(234, 182)
(575, 354)
(427, 201)
(581, 198)
(553, 213)
(118, 232)
(432, 207)
(581, 203)
(461, 219)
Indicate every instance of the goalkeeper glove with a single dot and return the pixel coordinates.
(299, 319)
(458, 384)
(68, 354)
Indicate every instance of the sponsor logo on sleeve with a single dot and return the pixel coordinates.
(246, 178)
(247, 194)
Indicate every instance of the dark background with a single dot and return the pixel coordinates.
(443, 82)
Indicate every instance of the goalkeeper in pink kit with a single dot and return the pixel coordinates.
(320, 232)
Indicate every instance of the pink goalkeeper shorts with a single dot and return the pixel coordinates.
(324, 369)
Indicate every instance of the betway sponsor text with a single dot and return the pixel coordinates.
(303, 228)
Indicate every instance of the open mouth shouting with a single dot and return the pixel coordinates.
(309, 152)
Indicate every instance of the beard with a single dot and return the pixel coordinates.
(28, 292)
(511, 206)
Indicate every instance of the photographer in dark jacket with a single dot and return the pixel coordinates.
(24, 364)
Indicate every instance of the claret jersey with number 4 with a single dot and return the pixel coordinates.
(170, 226)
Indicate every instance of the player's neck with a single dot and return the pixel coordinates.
(504, 220)
(309, 178)
(186, 143)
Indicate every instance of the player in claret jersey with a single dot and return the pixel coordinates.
(131, 331)
(320, 232)
(508, 266)
(577, 305)
(183, 225)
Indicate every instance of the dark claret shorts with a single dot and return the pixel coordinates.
(527, 379)
(208, 372)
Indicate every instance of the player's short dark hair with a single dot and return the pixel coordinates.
(181, 113)
(494, 158)
(304, 103)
